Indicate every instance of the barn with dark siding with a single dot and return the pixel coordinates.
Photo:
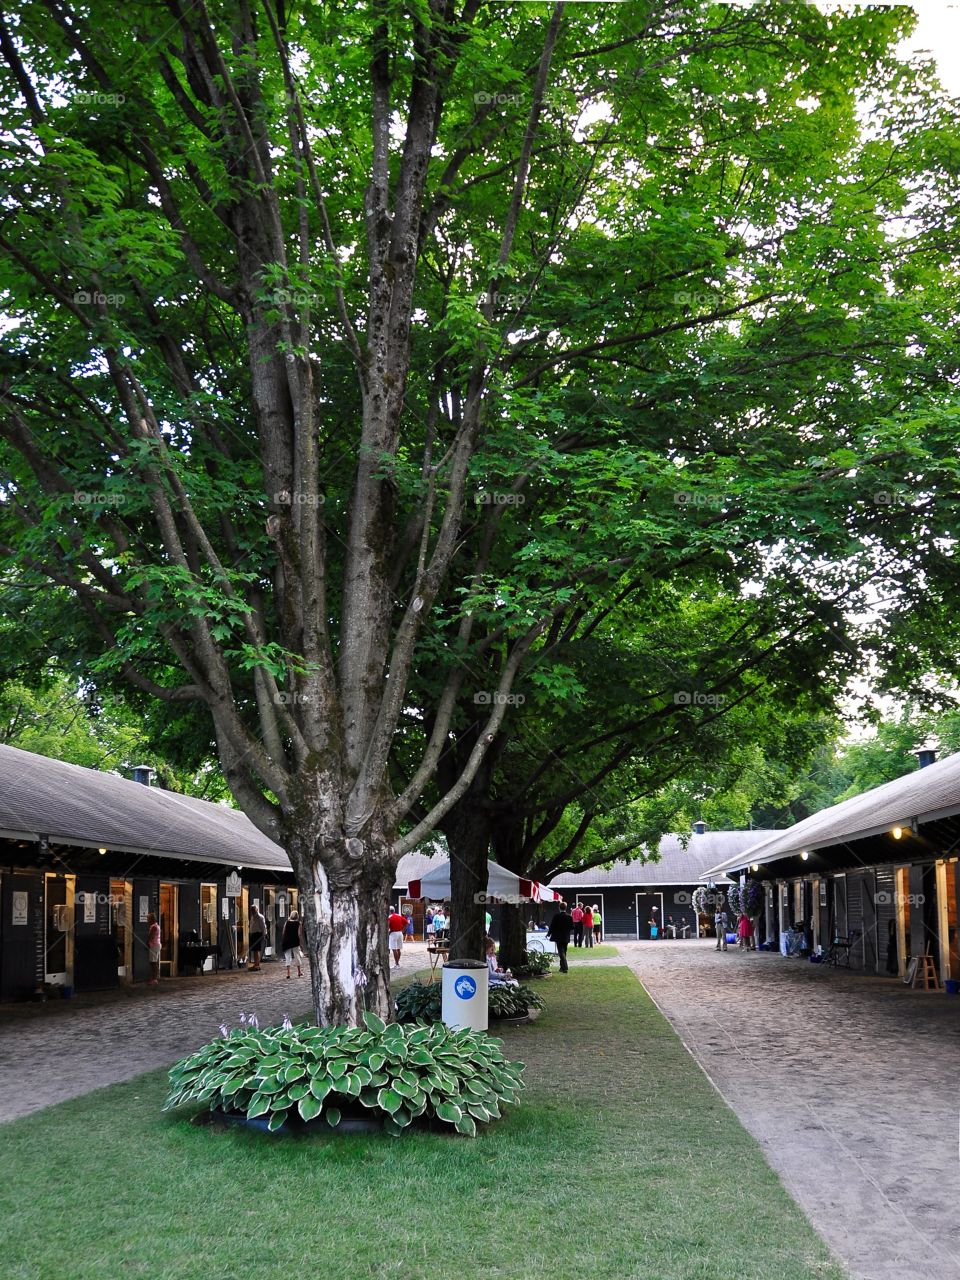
(631, 894)
(86, 856)
(879, 871)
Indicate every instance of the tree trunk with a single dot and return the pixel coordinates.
(344, 910)
(468, 836)
(513, 936)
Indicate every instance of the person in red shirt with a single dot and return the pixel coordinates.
(588, 926)
(397, 924)
(576, 915)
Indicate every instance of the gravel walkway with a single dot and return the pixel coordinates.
(849, 1084)
(50, 1052)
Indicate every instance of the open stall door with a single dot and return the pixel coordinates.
(146, 899)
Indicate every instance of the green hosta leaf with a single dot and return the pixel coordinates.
(375, 1061)
(337, 1068)
(363, 1075)
(298, 1091)
(277, 1120)
(402, 1117)
(332, 1116)
(373, 1023)
(449, 1111)
(275, 1061)
(232, 1086)
(421, 1058)
(477, 1088)
(401, 1086)
(478, 1110)
(259, 1106)
(389, 1100)
(295, 1071)
(309, 1106)
(467, 1125)
(320, 1087)
(351, 1085)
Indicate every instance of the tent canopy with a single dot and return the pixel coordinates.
(501, 883)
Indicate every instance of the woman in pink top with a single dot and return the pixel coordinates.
(153, 947)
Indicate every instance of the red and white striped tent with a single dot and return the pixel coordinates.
(501, 883)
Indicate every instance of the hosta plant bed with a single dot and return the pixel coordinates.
(395, 1075)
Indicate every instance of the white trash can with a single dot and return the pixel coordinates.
(465, 995)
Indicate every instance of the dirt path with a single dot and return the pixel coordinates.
(849, 1084)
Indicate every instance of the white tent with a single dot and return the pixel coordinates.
(501, 883)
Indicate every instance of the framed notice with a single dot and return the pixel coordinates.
(89, 908)
(209, 912)
(234, 885)
(144, 907)
(21, 907)
(225, 908)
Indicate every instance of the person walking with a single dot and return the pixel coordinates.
(428, 925)
(576, 915)
(561, 927)
(153, 949)
(597, 924)
(258, 931)
(720, 921)
(588, 926)
(439, 923)
(397, 924)
(291, 941)
(744, 932)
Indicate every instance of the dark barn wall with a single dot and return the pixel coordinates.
(21, 935)
(619, 906)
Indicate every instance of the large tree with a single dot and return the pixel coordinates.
(290, 287)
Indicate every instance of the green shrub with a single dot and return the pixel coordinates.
(402, 1073)
(419, 1002)
(533, 965)
(513, 1002)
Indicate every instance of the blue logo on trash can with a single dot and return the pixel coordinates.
(465, 987)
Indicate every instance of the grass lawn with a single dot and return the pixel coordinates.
(620, 1147)
(605, 951)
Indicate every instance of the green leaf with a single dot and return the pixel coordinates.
(389, 1100)
(277, 1120)
(309, 1107)
(320, 1087)
(467, 1125)
(332, 1116)
(373, 1023)
(259, 1106)
(449, 1111)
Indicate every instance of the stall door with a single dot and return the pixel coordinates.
(886, 915)
(95, 959)
(856, 889)
(146, 899)
(21, 935)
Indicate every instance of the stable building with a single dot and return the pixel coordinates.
(86, 857)
(878, 871)
(631, 895)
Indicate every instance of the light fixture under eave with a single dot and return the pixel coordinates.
(754, 866)
(897, 833)
(101, 851)
(805, 854)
